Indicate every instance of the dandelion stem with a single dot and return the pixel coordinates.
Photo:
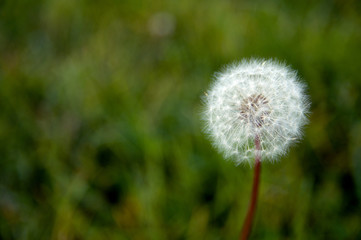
(246, 230)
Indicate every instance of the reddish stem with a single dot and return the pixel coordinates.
(246, 230)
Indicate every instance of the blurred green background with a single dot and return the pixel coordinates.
(100, 131)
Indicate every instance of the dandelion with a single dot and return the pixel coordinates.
(255, 110)
(255, 99)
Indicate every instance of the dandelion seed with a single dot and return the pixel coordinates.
(255, 99)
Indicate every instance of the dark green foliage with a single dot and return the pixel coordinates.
(100, 130)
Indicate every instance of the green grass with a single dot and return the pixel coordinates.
(100, 130)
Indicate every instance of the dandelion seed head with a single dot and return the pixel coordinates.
(255, 98)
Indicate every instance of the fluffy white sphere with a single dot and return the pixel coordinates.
(255, 98)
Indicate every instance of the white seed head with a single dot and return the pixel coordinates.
(255, 98)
